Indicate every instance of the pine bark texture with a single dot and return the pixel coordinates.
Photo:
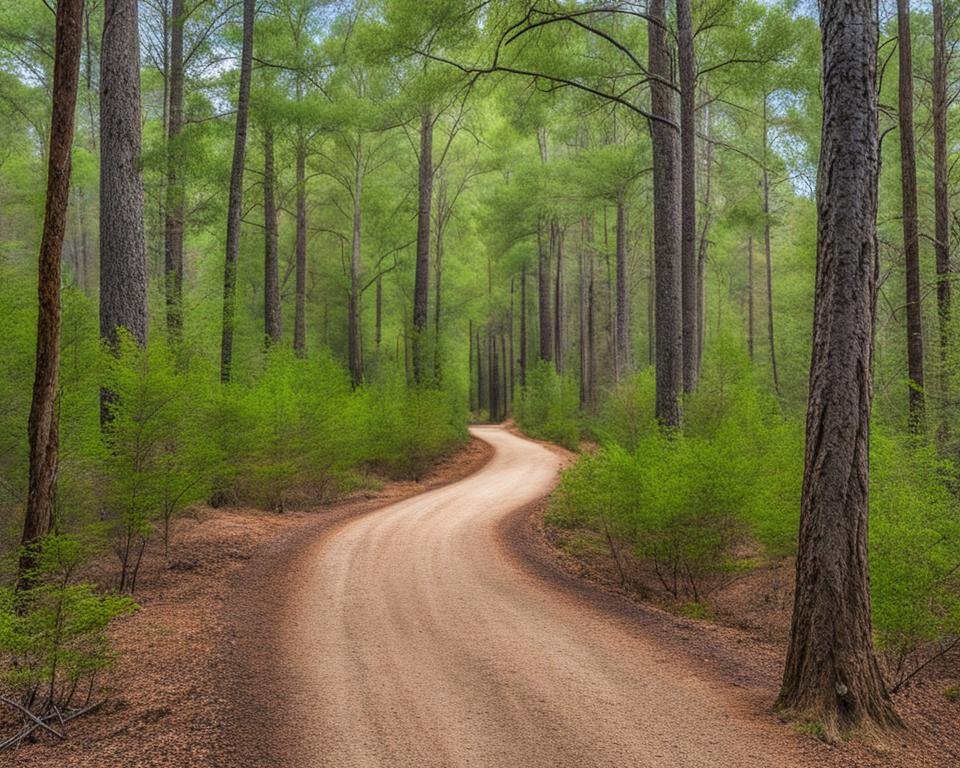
(421, 284)
(666, 223)
(941, 195)
(911, 236)
(42, 426)
(688, 196)
(236, 194)
(354, 354)
(831, 673)
(123, 257)
(174, 207)
(300, 251)
(271, 262)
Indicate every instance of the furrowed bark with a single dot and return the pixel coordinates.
(42, 425)
(831, 675)
(236, 194)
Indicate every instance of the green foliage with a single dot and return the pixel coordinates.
(549, 407)
(52, 635)
(914, 545)
(687, 502)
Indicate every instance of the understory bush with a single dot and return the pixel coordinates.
(52, 635)
(549, 406)
(705, 503)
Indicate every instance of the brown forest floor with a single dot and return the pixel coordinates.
(745, 639)
(167, 702)
(172, 694)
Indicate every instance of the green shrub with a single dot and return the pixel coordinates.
(914, 546)
(52, 636)
(549, 406)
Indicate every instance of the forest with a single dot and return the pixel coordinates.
(277, 255)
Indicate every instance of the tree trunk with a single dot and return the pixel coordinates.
(354, 356)
(123, 258)
(666, 225)
(558, 308)
(765, 183)
(583, 310)
(474, 407)
(378, 332)
(236, 194)
(831, 674)
(300, 247)
(271, 263)
(421, 284)
(523, 326)
(494, 377)
(911, 241)
(481, 402)
(174, 208)
(941, 206)
(42, 427)
(704, 230)
(437, 282)
(750, 296)
(688, 196)
(546, 318)
(624, 357)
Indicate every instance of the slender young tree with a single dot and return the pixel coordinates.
(300, 244)
(421, 285)
(558, 303)
(271, 262)
(688, 196)
(941, 195)
(750, 296)
(831, 673)
(42, 426)
(174, 207)
(666, 222)
(523, 325)
(236, 194)
(767, 254)
(911, 237)
(624, 339)
(123, 257)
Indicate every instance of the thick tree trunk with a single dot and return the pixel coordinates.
(624, 357)
(42, 427)
(354, 355)
(941, 205)
(300, 249)
(421, 284)
(523, 325)
(750, 296)
(666, 224)
(911, 240)
(831, 674)
(174, 208)
(271, 262)
(123, 259)
(688, 197)
(236, 194)
(558, 307)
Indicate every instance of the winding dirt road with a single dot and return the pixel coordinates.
(416, 639)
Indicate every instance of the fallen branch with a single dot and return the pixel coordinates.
(42, 722)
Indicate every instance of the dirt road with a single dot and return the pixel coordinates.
(414, 638)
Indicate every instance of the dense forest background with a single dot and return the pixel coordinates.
(443, 212)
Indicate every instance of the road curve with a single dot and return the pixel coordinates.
(415, 639)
